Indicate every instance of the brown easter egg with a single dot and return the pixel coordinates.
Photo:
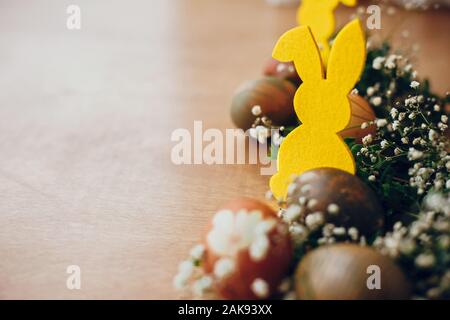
(341, 198)
(349, 272)
(274, 97)
(282, 70)
(361, 112)
(248, 250)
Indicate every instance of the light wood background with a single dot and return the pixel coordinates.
(85, 124)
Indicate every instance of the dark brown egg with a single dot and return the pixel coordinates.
(344, 199)
(282, 70)
(248, 250)
(346, 272)
(274, 97)
(361, 112)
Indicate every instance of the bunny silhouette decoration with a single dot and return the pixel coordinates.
(318, 15)
(321, 102)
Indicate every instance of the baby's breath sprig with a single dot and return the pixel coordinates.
(422, 249)
(408, 155)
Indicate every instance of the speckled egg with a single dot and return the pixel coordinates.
(343, 199)
(248, 250)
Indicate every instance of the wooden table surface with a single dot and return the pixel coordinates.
(85, 124)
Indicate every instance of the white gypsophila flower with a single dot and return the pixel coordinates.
(314, 220)
(384, 144)
(305, 188)
(292, 213)
(224, 267)
(394, 113)
(381, 123)
(185, 271)
(364, 151)
(425, 260)
(259, 248)
(180, 281)
(444, 118)
(327, 230)
(312, 203)
(260, 133)
(367, 139)
(256, 110)
(377, 63)
(291, 188)
(414, 84)
(395, 124)
(376, 101)
(407, 246)
(197, 252)
(340, 231)
(397, 151)
(232, 232)
(353, 233)
(298, 232)
(302, 200)
(277, 139)
(260, 288)
(414, 154)
(333, 208)
(202, 285)
(438, 202)
(364, 125)
(370, 91)
(391, 62)
(372, 178)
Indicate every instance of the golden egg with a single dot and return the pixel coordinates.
(349, 272)
(361, 112)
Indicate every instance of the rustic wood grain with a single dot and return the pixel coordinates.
(85, 124)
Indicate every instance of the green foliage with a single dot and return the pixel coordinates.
(389, 163)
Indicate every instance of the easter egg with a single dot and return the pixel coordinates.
(349, 272)
(248, 250)
(274, 97)
(361, 112)
(343, 199)
(282, 70)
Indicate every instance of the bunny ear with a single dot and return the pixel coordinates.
(348, 55)
(349, 3)
(298, 45)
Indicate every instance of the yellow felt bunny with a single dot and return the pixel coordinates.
(319, 16)
(321, 102)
